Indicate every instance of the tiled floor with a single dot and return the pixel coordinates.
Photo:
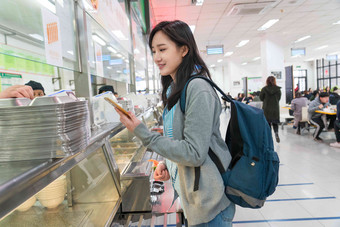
(308, 194)
(309, 187)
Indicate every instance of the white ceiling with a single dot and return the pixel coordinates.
(298, 18)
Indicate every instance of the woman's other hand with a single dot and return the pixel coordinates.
(130, 123)
(161, 173)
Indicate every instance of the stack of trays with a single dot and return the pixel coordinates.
(46, 127)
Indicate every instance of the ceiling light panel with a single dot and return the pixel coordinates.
(268, 24)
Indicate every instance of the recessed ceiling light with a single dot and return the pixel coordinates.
(212, 66)
(219, 60)
(242, 43)
(228, 54)
(322, 47)
(256, 58)
(309, 59)
(302, 38)
(268, 24)
(244, 63)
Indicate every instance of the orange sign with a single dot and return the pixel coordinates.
(52, 32)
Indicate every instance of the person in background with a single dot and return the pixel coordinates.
(297, 88)
(106, 88)
(337, 127)
(187, 138)
(334, 96)
(316, 118)
(296, 106)
(314, 95)
(38, 89)
(250, 98)
(116, 94)
(241, 97)
(17, 91)
(271, 95)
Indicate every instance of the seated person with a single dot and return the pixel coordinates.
(296, 106)
(116, 94)
(38, 89)
(250, 98)
(17, 91)
(318, 103)
(106, 88)
(337, 127)
(334, 96)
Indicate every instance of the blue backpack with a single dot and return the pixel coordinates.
(253, 173)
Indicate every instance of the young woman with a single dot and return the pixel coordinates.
(271, 95)
(187, 137)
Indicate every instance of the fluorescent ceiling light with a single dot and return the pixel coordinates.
(112, 49)
(97, 39)
(109, 67)
(119, 34)
(219, 60)
(212, 66)
(199, 2)
(228, 54)
(48, 5)
(70, 52)
(118, 71)
(119, 55)
(192, 28)
(268, 24)
(322, 47)
(37, 36)
(256, 58)
(242, 43)
(244, 63)
(338, 22)
(126, 61)
(310, 59)
(302, 38)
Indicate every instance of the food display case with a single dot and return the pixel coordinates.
(112, 174)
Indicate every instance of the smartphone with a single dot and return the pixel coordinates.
(117, 106)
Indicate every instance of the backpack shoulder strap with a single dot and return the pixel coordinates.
(184, 91)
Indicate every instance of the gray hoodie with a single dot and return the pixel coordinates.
(314, 105)
(193, 134)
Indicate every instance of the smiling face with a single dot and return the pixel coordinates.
(167, 55)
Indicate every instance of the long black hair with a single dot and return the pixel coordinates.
(180, 33)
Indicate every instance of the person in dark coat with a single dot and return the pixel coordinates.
(271, 95)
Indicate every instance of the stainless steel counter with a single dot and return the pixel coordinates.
(22, 179)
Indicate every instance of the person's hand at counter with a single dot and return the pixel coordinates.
(17, 91)
(130, 122)
(161, 172)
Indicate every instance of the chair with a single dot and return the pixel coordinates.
(305, 119)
